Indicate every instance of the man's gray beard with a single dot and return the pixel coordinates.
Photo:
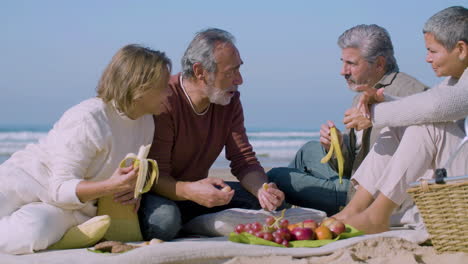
(353, 86)
(217, 96)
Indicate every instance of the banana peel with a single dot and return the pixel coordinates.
(335, 149)
(125, 225)
(145, 180)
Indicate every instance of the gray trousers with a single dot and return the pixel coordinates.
(308, 183)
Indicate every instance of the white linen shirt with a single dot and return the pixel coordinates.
(87, 143)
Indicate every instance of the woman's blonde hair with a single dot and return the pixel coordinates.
(132, 71)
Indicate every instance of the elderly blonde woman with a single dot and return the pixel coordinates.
(404, 154)
(51, 186)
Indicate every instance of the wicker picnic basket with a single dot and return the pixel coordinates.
(443, 204)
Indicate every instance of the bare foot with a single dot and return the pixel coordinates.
(368, 223)
(362, 199)
(348, 212)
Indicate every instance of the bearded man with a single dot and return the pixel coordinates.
(201, 117)
(368, 60)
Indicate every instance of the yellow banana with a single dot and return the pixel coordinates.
(327, 157)
(144, 180)
(335, 148)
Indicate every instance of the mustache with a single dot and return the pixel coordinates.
(234, 88)
(348, 78)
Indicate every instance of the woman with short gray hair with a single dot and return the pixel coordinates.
(403, 155)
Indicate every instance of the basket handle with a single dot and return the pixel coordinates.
(439, 179)
(443, 180)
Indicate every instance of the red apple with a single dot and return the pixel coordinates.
(337, 227)
(309, 223)
(327, 221)
(300, 233)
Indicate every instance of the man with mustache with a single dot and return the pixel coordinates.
(201, 117)
(367, 56)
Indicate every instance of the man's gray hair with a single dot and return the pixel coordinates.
(372, 41)
(201, 50)
(449, 26)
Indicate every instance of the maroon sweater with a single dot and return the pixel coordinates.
(185, 144)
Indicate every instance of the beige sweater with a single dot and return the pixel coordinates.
(447, 101)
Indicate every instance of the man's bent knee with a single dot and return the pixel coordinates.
(159, 218)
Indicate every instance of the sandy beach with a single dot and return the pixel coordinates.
(225, 174)
(379, 250)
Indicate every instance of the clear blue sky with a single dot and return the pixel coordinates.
(53, 52)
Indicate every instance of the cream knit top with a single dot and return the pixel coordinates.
(447, 101)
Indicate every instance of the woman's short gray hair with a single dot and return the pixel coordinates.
(449, 26)
(201, 50)
(372, 41)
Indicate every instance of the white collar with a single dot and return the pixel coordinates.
(190, 101)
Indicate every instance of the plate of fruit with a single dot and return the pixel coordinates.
(278, 232)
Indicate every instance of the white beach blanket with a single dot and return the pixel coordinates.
(209, 250)
(193, 251)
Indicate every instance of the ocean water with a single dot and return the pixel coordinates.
(274, 147)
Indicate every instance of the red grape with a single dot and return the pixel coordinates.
(270, 220)
(285, 234)
(278, 240)
(256, 226)
(268, 236)
(259, 234)
(240, 228)
(284, 223)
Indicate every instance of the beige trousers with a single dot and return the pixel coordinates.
(403, 155)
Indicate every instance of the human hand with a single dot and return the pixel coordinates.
(123, 184)
(270, 197)
(369, 96)
(354, 118)
(207, 192)
(325, 138)
(124, 179)
(128, 198)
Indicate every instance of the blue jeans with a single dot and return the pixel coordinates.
(308, 183)
(163, 218)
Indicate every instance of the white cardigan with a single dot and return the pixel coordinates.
(87, 143)
(447, 101)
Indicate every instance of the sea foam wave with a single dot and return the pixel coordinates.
(22, 136)
(291, 134)
(270, 146)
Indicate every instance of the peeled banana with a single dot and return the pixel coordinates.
(335, 148)
(144, 180)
